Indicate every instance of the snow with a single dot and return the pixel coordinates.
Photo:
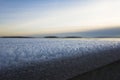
(54, 59)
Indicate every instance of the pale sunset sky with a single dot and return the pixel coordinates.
(30, 17)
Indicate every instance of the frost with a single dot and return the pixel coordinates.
(58, 58)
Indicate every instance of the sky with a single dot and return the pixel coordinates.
(30, 17)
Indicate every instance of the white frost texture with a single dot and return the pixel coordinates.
(54, 59)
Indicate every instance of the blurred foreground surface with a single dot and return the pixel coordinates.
(54, 59)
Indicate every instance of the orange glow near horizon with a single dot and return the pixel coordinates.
(74, 17)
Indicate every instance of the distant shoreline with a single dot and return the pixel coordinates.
(55, 37)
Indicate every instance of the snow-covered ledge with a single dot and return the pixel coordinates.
(54, 59)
